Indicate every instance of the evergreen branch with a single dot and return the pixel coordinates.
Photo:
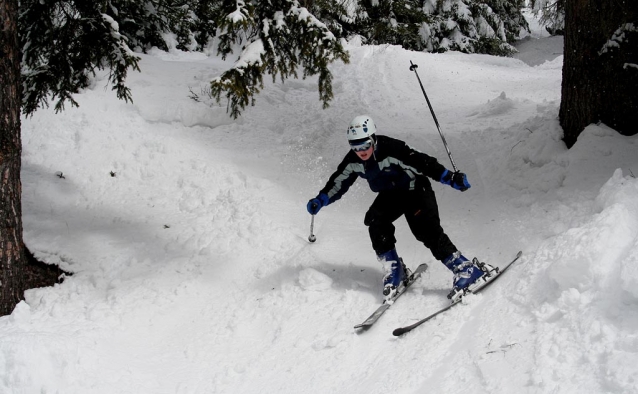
(619, 37)
(62, 49)
(287, 40)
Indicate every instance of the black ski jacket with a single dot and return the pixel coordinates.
(394, 166)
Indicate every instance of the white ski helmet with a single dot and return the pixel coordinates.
(361, 128)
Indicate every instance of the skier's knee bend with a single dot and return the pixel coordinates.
(371, 218)
(381, 233)
(381, 243)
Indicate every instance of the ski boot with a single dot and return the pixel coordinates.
(466, 273)
(395, 272)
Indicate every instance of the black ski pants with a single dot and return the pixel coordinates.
(422, 214)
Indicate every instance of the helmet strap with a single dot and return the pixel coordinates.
(374, 147)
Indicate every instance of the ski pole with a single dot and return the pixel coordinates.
(312, 237)
(413, 67)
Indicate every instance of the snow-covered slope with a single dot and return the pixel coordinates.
(187, 233)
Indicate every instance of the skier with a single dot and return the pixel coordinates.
(399, 174)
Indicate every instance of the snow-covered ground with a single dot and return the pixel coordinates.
(186, 233)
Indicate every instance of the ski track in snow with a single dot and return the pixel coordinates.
(187, 233)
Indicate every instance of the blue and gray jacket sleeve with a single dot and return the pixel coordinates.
(341, 180)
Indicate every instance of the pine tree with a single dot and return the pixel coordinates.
(600, 69)
(471, 26)
(185, 24)
(396, 22)
(12, 258)
(204, 20)
(64, 42)
(551, 14)
(18, 269)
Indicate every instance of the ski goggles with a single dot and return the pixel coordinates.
(362, 146)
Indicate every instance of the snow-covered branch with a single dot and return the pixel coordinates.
(618, 38)
(290, 37)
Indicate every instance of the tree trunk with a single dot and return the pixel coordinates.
(12, 257)
(18, 269)
(598, 87)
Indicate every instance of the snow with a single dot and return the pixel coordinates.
(251, 55)
(186, 232)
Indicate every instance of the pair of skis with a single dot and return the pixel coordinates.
(492, 273)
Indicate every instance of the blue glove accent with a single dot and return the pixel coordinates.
(315, 204)
(457, 180)
(446, 177)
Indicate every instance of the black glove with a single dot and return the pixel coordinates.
(457, 180)
(315, 204)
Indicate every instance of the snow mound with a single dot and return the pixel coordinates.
(592, 256)
(495, 107)
(588, 282)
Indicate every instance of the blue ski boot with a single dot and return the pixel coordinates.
(465, 271)
(395, 272)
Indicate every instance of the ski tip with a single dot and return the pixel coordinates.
(399, 331)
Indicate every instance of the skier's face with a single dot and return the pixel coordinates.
(365, 154)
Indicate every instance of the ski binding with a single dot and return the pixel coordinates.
(388, 302)
(456, 296)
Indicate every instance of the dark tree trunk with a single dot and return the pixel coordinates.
(599, 87)
(12, 257)
(18, 269)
